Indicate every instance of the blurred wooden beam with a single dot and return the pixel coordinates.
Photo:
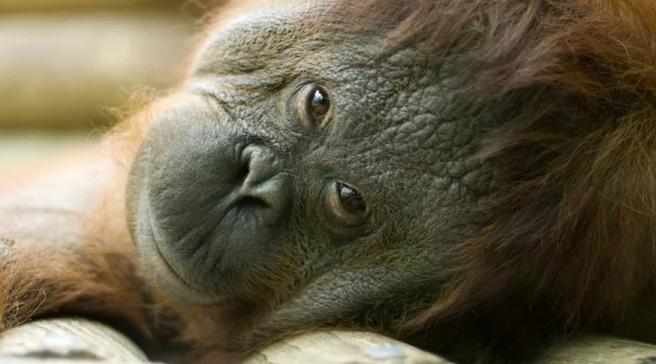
(45, 5)
(60, 69)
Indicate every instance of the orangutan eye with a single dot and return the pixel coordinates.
(313, 105)
(347, 205)
(318, 102)
(351, 199)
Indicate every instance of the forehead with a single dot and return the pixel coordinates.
(262, 38)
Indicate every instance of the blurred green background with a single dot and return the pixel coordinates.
(66, 64)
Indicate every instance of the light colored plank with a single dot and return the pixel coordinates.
(41, 5)
(27, 150)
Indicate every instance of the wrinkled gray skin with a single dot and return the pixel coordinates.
(229, 194)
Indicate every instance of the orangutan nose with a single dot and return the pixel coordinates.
(261, 184)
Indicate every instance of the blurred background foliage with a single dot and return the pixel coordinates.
(66, 64)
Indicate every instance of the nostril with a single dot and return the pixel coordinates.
(243, 168)
(260, 184)
(251, 202)
(243, 172)
(257, 166)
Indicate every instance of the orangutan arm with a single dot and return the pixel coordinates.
(63, 247)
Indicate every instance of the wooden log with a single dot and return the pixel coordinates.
(68, 340)
(342, 347)
(64, 339)
(599, 350)
(368, 348)
(62, 69)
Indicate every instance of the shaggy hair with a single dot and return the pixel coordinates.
(570, 236)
